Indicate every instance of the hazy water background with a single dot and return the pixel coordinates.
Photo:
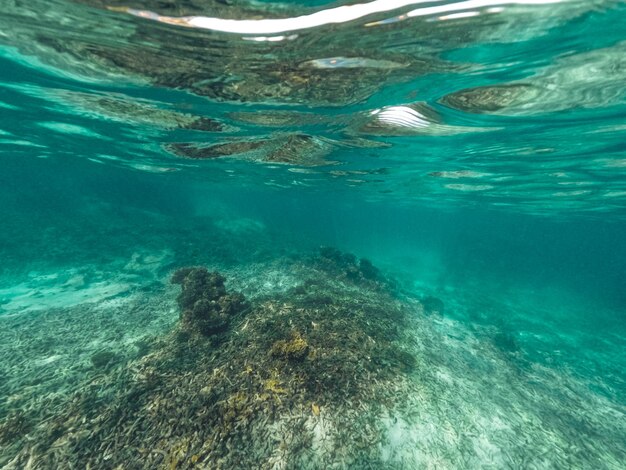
(510, 209)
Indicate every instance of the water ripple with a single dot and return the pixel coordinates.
(468, 102)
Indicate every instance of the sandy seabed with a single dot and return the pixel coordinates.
(326, 363)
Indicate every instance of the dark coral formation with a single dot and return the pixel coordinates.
(348, 266)
(205, 305)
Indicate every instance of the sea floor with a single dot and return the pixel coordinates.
(327, 363)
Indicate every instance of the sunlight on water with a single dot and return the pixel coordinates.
(312, 234)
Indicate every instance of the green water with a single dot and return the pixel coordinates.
(470, 152)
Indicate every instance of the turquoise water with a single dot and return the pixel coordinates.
(471, 151)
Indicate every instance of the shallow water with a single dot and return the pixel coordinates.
(472, 151)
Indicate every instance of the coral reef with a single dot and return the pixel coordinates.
(205, 306)
(348, 266)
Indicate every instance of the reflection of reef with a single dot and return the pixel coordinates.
(489, 98)
(296, 149)
(585, 80)
(231, 69)
(334, 65)
(197, 152)
(202, 68)
(237, 9)
(155, 116)
(279, 118)
(286, 380)
(127, 109)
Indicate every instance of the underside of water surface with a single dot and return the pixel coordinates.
(244, 234)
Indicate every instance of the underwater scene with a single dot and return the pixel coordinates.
(312, 234)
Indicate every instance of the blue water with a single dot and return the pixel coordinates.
(472, 153)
